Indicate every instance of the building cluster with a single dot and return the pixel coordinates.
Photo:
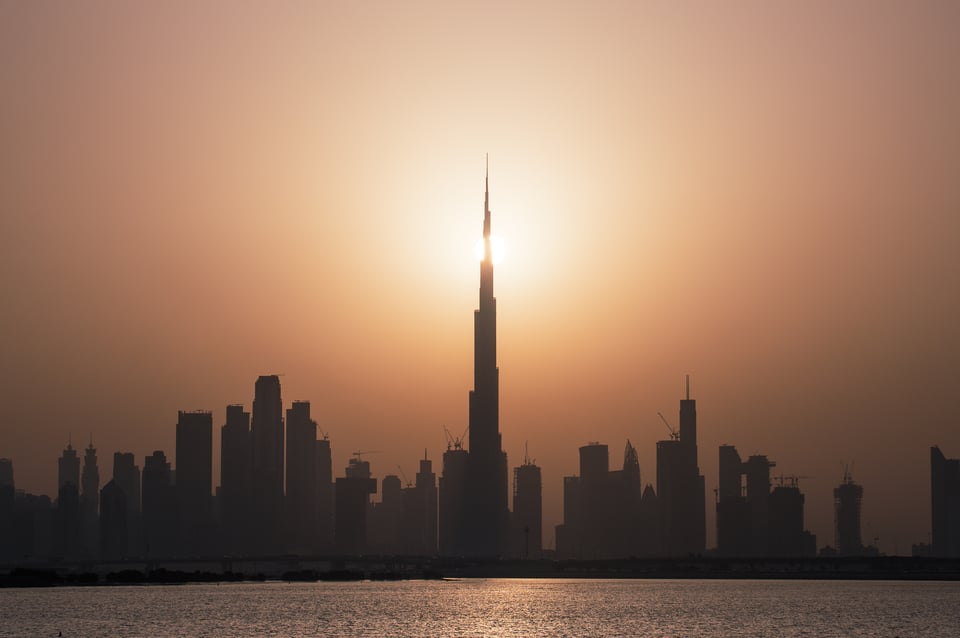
(609, 514)
(277, 495)
(752, 520)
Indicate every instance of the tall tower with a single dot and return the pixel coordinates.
(266, 432)
(301, 499)
(680, 487)
(194, 457)
(847, 500)
(486, 493)
(90, 500)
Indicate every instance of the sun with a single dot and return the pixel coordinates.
(497, 247)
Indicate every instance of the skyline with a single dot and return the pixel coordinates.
(680, 191)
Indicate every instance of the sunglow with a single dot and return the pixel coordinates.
(498, 249)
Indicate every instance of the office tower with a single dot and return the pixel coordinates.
(453, 499)
(301, 499)
(385, 531)
(160, 521)
(945, 504)
(786, 537)
(757, 471)
(486, 489)
(7, 510)
(352, 498)
(733, 512)
(68, 504)
(680, 487)
(324, 496)
(425, 509)
(114, 518)
(68, 468)
(194, 458)
(236, 459)
(847, 499)
(90, 501)
(267, 487)
(126, 474)
(527, 510)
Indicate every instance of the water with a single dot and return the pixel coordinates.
(708, 608)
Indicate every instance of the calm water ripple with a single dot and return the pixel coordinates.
(709, 608)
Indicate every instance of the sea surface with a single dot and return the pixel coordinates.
(495, 607)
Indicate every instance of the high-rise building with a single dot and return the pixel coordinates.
(847, 499)
(194, 480)
(352, 497)
(126, 474)
(680, 487)
(69, 468)
(68, 504)
(527, 516)
(324, 496)
(945, 505)
(757, 471)
(733, 512)
(114, 518)
(301, 498)
(452, 495)
(7, 510)
(486, 489)
(385, 533)
(267, 480)
(236, 459)
(423, 539)
(90, 501)
(160, 522)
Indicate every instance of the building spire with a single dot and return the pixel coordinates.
(486, 207)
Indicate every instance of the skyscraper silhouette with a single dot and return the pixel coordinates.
(527, 521)
(324, 537)
(194, 479)
(680, 487)
(847, 499)
(301, 500)
(486, 489)
(90, 500)
(126, 474)
(267, 488)
(68, 503)
(160, 522)
(945, 504)
(236, 456)
(7, 510)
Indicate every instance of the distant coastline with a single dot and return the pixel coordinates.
(294, 569)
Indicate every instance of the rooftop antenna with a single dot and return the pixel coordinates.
(688, 387)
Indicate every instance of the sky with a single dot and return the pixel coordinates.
(761, 195)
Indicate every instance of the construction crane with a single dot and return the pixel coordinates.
(326, 437)
(453, 442)
(673, 433)
(358, 453)
(404, 475)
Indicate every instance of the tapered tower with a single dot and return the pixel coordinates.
(486, 493)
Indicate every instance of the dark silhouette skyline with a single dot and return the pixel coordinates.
(277, 495)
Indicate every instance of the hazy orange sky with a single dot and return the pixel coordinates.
(763, 195)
